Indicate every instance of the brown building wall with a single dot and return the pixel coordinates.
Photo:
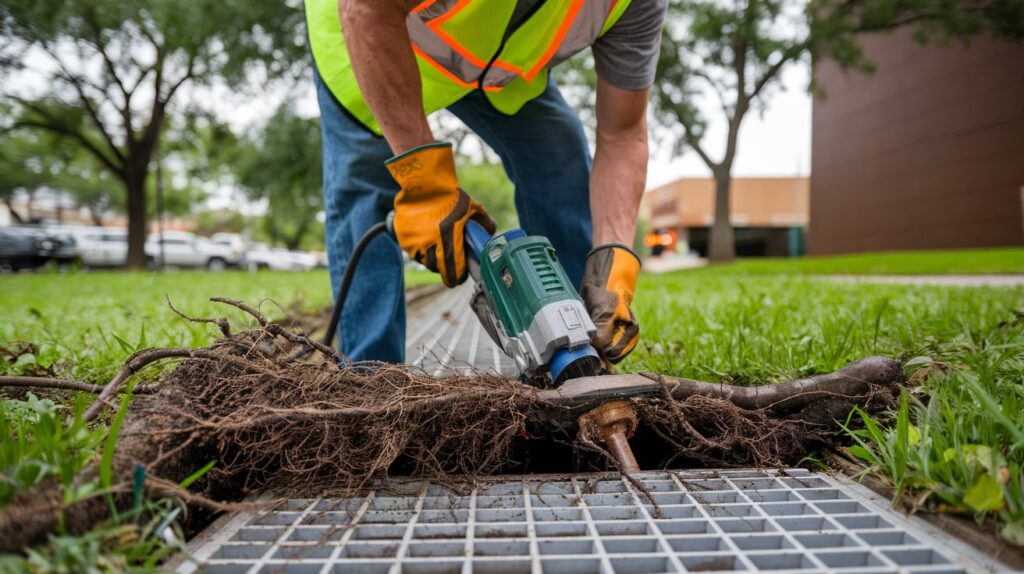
(926, 153)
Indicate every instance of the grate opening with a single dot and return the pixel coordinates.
(684, 522)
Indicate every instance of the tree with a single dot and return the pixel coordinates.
(74, 173)
(280, 164)
(737, 50)
(114, 67)
(31, 161)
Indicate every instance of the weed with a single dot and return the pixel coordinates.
(43, 446)
(964, 454)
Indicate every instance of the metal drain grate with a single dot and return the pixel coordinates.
(444, 336)
(729, 521)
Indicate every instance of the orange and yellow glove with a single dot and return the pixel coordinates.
(609, 280)
(431, 210)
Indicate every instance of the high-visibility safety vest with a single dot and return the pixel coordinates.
(460, 46)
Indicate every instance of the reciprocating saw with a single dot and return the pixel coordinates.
(523, 298)
(529, 307)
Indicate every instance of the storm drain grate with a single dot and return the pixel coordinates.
(722, 521)
(444, 336)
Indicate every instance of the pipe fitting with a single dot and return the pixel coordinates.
(613, 423)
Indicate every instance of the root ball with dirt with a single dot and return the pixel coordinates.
(281, 413)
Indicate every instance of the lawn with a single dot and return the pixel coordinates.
(84, 325)
(958, 442)
(961, 261)
(959, 438)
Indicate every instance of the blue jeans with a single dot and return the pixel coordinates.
(545, 154)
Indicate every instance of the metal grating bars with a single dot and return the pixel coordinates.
(444, 336)
(722, 521)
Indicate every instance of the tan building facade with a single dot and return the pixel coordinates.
(926, 153)
(768, 213)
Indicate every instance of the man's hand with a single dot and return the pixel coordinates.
(431, 211)
(609, 280)
(616, 186)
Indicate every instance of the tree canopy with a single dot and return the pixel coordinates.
(280, 164)
(102, 74)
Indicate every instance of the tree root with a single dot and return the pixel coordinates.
(319, 425)
(64, 385)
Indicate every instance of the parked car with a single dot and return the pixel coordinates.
(56, 246)
(262, 256)
(304, 261)
(289, 257)
(31, 247)
(235, 242)
(183, 249)
(101, 246)
(18, 250)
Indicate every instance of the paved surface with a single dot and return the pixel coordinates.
(721, 521)
(951, 280)
(444, 336)
(672, 262)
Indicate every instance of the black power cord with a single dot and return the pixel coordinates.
(350, 271)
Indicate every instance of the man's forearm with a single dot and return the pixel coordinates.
(617, 183)
(619, 174)
(385, 68)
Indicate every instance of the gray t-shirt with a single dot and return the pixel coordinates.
(627, 55)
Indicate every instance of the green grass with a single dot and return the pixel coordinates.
(958, 438)
(962, 261)
(84, 325)
(758, 328)
(417, 277)
(959, 445)
(52, 444)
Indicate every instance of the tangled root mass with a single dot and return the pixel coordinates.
(280, 413)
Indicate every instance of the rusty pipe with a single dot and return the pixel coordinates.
(613, 423)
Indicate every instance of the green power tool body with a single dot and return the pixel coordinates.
(529, 307)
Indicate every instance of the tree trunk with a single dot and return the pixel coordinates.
(272, 231)
(293, 241)
(29, 200)
(722, 245)
(135, 186)
(96, 215)
(14, 214)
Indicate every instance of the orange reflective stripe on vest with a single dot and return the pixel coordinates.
(461, 45)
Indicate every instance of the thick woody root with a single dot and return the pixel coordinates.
(281, 414)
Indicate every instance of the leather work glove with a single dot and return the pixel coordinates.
(609, 279)
(431, 210)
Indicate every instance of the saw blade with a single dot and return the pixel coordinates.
(588, 366)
